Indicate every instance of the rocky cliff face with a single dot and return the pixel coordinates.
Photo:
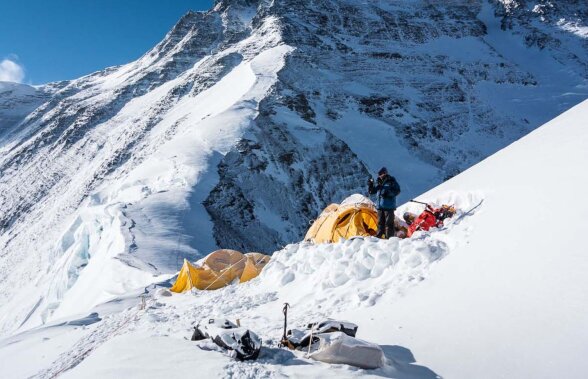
(245, 121)
(424, 70)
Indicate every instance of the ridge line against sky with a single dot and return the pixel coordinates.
(44, 41)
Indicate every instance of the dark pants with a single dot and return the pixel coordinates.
(385, 223)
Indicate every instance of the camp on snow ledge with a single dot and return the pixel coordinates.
(355, 216)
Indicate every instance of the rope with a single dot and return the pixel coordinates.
(261, 259)
(222, 272)
(190, 277)
(217, 277)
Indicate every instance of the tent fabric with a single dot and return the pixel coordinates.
(253, 266)
(218, 269)
(355, 216)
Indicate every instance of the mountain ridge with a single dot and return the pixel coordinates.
(135, 166)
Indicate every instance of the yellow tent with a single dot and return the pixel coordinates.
(355, 216)
(218, 269)
(253, 266)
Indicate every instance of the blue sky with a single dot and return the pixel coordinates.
(52, 40)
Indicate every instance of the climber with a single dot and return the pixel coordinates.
(387, 189)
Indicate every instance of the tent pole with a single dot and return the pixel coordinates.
(189, 274)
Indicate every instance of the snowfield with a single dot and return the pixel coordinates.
(499, 291)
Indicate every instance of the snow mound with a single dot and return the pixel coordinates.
(357, 199)
(308, 270)
(356, 272)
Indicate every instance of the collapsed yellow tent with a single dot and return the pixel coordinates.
(218, 269)
(355, 216)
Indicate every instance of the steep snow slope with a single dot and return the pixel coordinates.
(245, 121)
(511, 300)
(500, 291)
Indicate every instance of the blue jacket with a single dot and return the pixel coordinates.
(387, 189)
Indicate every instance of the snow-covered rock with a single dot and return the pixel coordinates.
(16, 102)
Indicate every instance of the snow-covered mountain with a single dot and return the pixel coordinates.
(17, 101)
(499, 291)
(245, 121)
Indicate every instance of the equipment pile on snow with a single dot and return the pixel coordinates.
(218, 269)
(430, 218)
(333, 341)
(241, 343)
(296, 338)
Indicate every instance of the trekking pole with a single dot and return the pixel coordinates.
(310, 342)
(284, 341)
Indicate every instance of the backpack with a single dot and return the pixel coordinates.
(242, 343)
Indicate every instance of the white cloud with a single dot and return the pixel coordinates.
(10, 71)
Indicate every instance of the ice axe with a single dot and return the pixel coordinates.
(284, 341)
(420, 202)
